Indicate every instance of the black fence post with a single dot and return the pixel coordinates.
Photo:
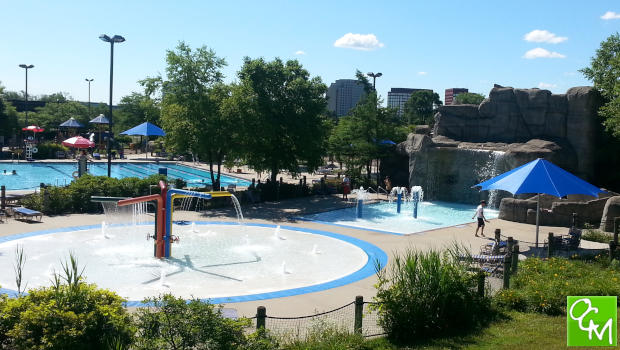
(481, 278)
(498, 235)
(616, 229)
(612, 250)
(261, 316)
(2, 197)
(506, 276)
(509, 244)
(574, 220)
(550, 245)
(515, 259)
(359, 313)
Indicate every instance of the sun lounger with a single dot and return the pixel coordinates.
(25, 213)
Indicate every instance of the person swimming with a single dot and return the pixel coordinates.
(14, 172)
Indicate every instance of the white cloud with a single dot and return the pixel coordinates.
(422, 73)
(300, 52)
(539, 52)
(543, 36)
(365, 42)
(610, 15)
(542, 85)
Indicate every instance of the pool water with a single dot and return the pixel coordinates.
(384, 218)
(31, 175)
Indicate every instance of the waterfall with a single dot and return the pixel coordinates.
(489, 169)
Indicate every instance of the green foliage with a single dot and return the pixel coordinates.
(281, 108)
(420, 106)
(428, 294)
(542, 285)
(173, 323)
(469, 98)
(8, 116)
(604, 71)
(593, 235)
(75, 198)
(135, 109)
(47, 150)
(326, 337)
(68, 315)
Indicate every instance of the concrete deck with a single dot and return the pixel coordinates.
(282, 212)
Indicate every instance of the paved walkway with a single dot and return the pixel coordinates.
(283, 211)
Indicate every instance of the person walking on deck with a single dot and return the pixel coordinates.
(481, 219)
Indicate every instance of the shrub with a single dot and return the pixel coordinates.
(324, 337)
(68, 315)
(428, 294)
(173, 323)
(48, 150)
(597, 236)
(542, 285)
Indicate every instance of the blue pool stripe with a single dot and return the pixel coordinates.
(374, 254)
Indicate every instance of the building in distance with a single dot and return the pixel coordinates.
(452, 93)
(343, 95)
(397, 97)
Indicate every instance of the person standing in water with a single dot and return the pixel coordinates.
(481, 219)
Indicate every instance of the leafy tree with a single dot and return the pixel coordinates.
(469, 98)
(420, 106)
(54, 113)
(9, 124)
(364, 81)
(192, 98)
(604, 71)
(281, 107)
(134, 109)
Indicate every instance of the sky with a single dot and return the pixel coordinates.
(415, 44)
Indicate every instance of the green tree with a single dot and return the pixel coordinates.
(191, 105)
(420, 106)
(134, 109)
(282, 110)
(54, 113)
(9, 124)
(469, 98)
(604, 71)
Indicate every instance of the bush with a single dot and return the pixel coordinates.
(272, 192)
(597, 236)
(323, 337)
(68, 315)
(543, 285)
(173, 323)
(428, 294)
(48, 150)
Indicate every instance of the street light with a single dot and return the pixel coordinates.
(26, 67)
(112, 40)
(374, 78)
(89, 81)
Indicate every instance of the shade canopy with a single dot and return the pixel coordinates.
(540, 176)
(78, 142)
(100, 119)
(145, 129)
(71, 123)
(33, 128)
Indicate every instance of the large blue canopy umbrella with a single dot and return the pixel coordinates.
(145, 129)
(71, 123)
(540, 176)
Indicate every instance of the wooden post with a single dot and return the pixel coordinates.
(359, 313)
(481, 277)
(509, 244)
(304, 180)
(612, 250)
(498, 235)
(261, 316)
(574, 223)
(515, 259)
(616, 228)
(2, 197)
(506, 271)
(550, 245)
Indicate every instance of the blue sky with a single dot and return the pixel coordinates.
(418, 44)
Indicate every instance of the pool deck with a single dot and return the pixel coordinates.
(283, 212)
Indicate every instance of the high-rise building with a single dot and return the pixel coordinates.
(397, 97)
(343, 95)
(452, 93)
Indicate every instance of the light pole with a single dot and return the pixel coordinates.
(374, 77)
(26, 67)
(89, 81)
(112, 40)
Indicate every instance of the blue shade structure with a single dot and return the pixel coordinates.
(101, 119)
(145, 129)
(540, 176)
(71, 123)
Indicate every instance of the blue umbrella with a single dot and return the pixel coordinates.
(100, 119)
(540, 176)
(145, 129)
(71, 123)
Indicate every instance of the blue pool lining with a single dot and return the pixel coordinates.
(374, 254)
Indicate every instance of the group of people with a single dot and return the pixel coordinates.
(14, 172)
(479, 215)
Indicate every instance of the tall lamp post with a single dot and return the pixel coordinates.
(26, 67)
(112, 40)
(89, 81)
(374, 77)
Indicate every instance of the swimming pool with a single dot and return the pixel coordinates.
(382, 217)
(31, 175)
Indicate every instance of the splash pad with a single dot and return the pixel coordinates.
(219, 261)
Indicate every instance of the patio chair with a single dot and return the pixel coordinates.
(27, 214)
(489, 248)
(61, 155)
(567, 242)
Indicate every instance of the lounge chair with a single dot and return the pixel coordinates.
(231, 188)
(28, 214)
(493, 248)
(570, 241)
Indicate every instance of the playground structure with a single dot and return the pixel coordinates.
(164, 209)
